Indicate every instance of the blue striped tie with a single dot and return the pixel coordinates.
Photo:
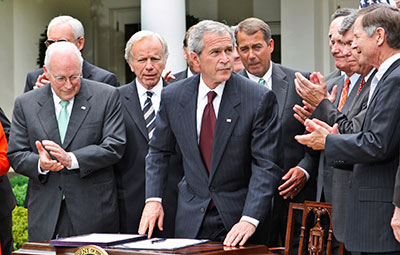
(149, 114)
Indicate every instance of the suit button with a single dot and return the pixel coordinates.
(202, 209)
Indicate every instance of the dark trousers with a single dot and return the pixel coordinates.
(212, 226)
(64, 226)
(6, 238)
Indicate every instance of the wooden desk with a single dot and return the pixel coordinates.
(204, 249)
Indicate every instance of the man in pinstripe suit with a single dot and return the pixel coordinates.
(228, 183)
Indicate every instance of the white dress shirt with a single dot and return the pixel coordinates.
(267, 77)
(155, 99)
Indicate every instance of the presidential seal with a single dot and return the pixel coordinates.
(90, 250)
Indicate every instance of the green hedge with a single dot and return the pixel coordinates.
(19, 185)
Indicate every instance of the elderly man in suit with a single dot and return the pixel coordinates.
(65, 137)
(146, 53)
(373, 152)
(67, 28)
(255, 45)
(228, 130)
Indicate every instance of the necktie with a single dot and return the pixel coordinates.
(261, 81)
(207, 130)
(149, 114)
(362, 83)
(343, 97)
(63, 119)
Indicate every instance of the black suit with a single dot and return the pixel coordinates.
(374, 152)
(293, 152)
(244, 172)
(130, 171)
(89, 71)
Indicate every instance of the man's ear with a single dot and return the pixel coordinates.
(80, 43)
(195, 58)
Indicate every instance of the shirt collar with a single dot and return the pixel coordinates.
(204, 89)
(266, 77)
(57, 100)
(156, 89)
(385, 65)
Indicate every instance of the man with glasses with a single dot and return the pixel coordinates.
(65, 137)
(68, 29)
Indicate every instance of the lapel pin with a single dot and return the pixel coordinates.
(229, 120)
(83, 107)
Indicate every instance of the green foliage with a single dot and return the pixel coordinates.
(20, 192)
(42, 48)
(18, 180)
(20, 226)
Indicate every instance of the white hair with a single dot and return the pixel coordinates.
(61, 47)
(76, 25)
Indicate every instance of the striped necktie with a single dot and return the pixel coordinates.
(343, 97)
(362, 83)
(63, 119)
(149, 114)
(261, 81)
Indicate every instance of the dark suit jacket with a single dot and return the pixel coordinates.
(396, 195)
(96, 136)
(89, 71)
(374, 153)
(180, 75)
(244, 172)
(130, 171)
(334, 74)
(348, 124)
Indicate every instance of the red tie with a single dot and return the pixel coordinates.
(361, 86)
(207, 130)
(343, 97)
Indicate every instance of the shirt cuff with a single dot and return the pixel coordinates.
(74, 163)
(305, 172)
(155, 199)
(251, 220)
(40, 170)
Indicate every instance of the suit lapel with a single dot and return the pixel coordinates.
(47, 116)
(188, 103)
(135, 110)
(86, 72)
(226, 121)
(351, 96)
(279, 86)
(79, 112)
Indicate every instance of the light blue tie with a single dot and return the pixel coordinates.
(63, 119)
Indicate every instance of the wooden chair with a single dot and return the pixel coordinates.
(316, 240)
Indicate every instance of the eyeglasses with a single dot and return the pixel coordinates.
(49, 42)
(61, 80)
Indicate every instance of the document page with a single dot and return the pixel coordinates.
(161, 244)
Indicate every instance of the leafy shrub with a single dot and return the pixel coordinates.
(20, 192)
(20, 226)
(18, 180)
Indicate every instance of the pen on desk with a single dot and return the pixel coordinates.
(157, 240)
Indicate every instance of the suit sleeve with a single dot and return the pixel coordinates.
(265, 154)
(396, 195)
(5, 122)
(97, 156)
(30, 82)
(111, 79)
(381, 138)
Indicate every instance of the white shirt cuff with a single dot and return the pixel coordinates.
(306, 173)
(251, 220)
(74, 163)
(40, 170)
(156, 199)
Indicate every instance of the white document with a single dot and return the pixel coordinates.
(160, 244)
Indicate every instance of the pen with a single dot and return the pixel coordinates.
(157, 240)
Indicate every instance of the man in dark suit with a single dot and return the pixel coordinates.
(65, 137)
(254, 44)
(67, 28)
(374, 150)
(228, 130)
(130, 171)
(191, 68)
(395, 222)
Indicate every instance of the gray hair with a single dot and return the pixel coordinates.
(250, 26)
(61, 46)
(139, 36)
(76, 25)
(196, 42)
(384, 16)
(343, 12)
(348, 22)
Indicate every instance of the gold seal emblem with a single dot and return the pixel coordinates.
(90, 250)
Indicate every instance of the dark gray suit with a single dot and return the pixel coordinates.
(375, 155)
(292, 151)
(89, 71)
(348, 124)
(180, 75)
(244, 171)
(130, 171)
(96, 136)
